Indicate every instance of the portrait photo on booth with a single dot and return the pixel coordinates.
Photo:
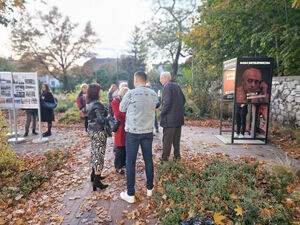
(253, 84)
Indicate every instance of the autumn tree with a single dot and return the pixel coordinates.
(7, 7)
(166, 29)
(52, 40)
(136, 60)
(225, 29)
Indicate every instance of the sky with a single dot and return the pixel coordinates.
(113, 21)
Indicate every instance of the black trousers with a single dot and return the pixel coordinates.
(240, 115)
(120, 157)
(171, 136)
(86, 123)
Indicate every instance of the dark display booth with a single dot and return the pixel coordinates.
(245, 104)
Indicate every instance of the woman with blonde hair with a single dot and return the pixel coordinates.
(120, 135)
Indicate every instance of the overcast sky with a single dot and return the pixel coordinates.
(113, 20)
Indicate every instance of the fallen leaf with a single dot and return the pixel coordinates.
(60, 219)
(239, 210)
(18, 197)
(191, 213)
(233, 196)
(74, 197)
(19, 222)
(218, 217)
(2, 221)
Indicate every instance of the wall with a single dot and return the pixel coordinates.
(285, 100)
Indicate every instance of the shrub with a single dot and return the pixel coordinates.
(9, 162)
(219, 188)
(67, 102)
(71, 117)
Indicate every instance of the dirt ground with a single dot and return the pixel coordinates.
(74, 202)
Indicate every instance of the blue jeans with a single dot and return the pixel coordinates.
(133, 141)
(156, 123)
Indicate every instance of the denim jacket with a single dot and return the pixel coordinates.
(139, 105)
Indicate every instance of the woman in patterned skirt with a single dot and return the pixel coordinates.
(96, 119)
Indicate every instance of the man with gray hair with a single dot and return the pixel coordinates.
(172, 115)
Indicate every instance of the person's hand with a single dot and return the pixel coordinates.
(264, 87)
(43, 97)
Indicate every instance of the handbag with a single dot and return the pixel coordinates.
(50, 105)
(111, 125)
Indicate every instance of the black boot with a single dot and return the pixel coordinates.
(93, 176)
(35, 133)
(97, 183)
(26, 134)
(47, 134)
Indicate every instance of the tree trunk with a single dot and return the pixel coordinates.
(175, 63)
(277, 57)
(66, 85)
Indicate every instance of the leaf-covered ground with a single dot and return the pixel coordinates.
(60, 191)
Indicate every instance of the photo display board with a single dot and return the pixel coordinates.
(253, 80)
(229, 72)
(22, 86)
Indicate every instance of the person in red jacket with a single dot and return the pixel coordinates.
(120, 135)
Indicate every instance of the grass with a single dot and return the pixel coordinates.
(186, 191)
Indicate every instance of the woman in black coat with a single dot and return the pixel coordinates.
(47, 114)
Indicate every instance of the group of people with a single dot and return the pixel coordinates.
(136, 111)
(48, 103)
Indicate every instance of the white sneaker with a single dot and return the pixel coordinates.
(236, 135)
(126, 197)
(241, 136)
(149, 192)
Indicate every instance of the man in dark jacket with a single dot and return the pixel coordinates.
(172, 115)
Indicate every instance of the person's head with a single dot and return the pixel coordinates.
(140, 78)
(123, 84)
(149, 85)
(93, 92)
(123, 91)
(45, 88)
(112, 88)
(251, 80)
(165, 77)
(83, 88)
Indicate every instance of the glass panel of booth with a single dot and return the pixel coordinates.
(246, 95)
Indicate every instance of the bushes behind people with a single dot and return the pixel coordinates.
(67, 104)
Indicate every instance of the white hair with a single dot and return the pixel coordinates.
(123, 84)
(123, 91)
(166, 74)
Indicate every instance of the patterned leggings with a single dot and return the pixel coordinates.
(98, 139)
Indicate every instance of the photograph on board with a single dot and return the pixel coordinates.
(253, 85)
